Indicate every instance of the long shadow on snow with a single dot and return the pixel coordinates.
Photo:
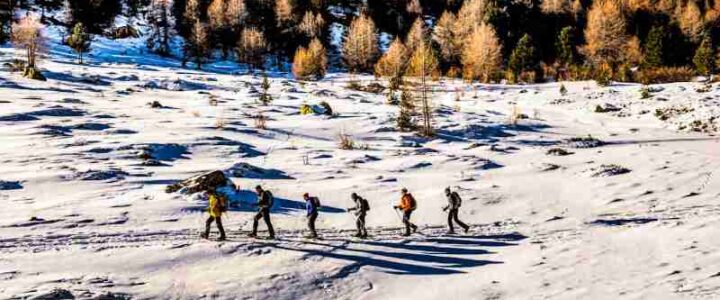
(490, 133)
(420, 259)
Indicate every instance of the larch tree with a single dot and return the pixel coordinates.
(482, 54)
(360, 48)
(393, 61)
(605, 34)
(691, 21)
(424, 65)
(445, 35)
(470, 16)
(197, 46)
(251, 48)
(284, 13)
(310, 63)
(312, 24)
(79, 40)
(417, 35)
(27, 34)
(558, 7)
(414, 8)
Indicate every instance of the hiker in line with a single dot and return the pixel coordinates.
(361, 208)
(312, 204)
(454, 202)
(265, 201)
(217, 204)
(407, 205)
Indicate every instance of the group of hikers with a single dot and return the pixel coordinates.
(217, 205)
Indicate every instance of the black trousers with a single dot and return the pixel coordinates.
(263, 213)
(360, 223)
(311, 223)
(218, 222)
(406, 221)
(453, 216)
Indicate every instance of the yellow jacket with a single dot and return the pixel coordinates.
(215, 205)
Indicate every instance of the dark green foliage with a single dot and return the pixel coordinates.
(407, 110)
(523, 57)
(79, 40)
(704, 59)
(565, 47)
(97, 15)
(265, 97)
(654, 47)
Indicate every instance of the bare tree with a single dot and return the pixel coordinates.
(251, 47)
(360, 48)
(312, 24)
(27, 34)
(158, 18)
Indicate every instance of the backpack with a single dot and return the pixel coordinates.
(364, 205)
(457, 201)
(271, 199)
(413, 203)
(316, 202)
(222, 202)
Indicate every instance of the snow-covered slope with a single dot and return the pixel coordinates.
(633, 217)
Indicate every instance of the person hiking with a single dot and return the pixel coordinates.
(407, 205)
(265, 201)
(361, 208)
(217, 204)
(454, 202)
(312, 204)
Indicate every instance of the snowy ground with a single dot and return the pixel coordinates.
(82, 212)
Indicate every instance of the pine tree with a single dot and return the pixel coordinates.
(654, 47)
(523, 57)
(407, 111)
(565, 46)
(79, 40)
(704, 58)
(360, 49)
(265, 97)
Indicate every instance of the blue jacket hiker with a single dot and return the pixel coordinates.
(312, 204)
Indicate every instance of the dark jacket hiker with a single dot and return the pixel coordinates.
(265, 201)
(454, 203)
(361, 208)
